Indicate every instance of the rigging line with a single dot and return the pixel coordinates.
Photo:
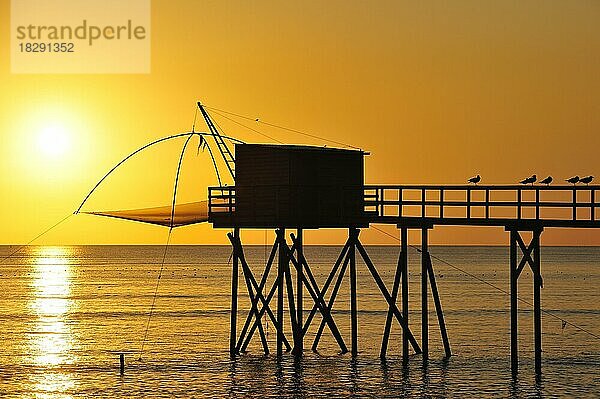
(162, 266)
(195, 116)
(20, 247)
(247, 127)
(174, 136)
(214, 161)
(285, 128)
(492, 285)
(177, 178)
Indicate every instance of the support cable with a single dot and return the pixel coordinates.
(44, 232)
(283, 128)
(563, 321)
(162, 266)
(171, 225)
(247, 127)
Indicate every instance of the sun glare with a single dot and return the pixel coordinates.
(54, 140)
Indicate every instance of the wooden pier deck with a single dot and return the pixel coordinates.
(518, 208)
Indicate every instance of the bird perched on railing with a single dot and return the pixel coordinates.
(475, 179)
(529, 180)
(573, 180)
(547, 180)
(586, 180)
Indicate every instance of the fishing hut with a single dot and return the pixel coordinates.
(291, 188)
(284, 187)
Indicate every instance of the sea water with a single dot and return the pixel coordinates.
(67, 312)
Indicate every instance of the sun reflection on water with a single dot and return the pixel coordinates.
(51, 342)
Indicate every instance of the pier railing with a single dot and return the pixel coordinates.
(551, 205)
(560, 206)
(221, 199)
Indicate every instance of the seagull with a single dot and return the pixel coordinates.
(475, 179)
(531, 180)
(587, 180)
(573, 180)
(546, 181)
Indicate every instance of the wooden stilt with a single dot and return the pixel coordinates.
(321, 295)
(280, 278)
(424, 307)
(312, 288)
(438, 305)
(291, 302)
(388, 322)
(239, 348)
(244, 339)
(249, 279)
(334, 293)
(254, 309)
(404, 259)
(353, 233)
(234, 298)
(387, 295)
(514, 355)
(254, 298)
(299, 341)
(537, 311)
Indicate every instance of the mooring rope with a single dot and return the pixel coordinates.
(162, 266)
(20, 247)
(247, 127)
(258, 120)
(564, 322)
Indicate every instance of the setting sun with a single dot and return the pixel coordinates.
(54, 140)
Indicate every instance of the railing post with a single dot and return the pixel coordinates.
(519, 203)
(468, 203)
(441, 202)
(593, 204)
(423, 197)
(487, 203)
(574, 203)
(537, 203)
(400, 199)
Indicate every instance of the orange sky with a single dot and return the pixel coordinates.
(436, 92)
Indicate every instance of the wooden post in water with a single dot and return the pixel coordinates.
(234, 297)
(424, 307)
(280, 285)
(537, 305)
(404, 268)
(353, 305)
(514, 355)
(122, 363)
(299, 344)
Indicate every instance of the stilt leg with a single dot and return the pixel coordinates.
(321, 294)
(313, 290)
(299, 341)
(424, 307)
(334, 292)
(280, 278)
(537, 311)
(388, 322)
(353, 305)
(514, 356)
(438, 306)
(234, 298)
(404, 250)
(387, 295)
